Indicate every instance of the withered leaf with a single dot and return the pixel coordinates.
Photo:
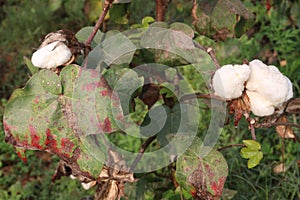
(284, 131)
(293, 106)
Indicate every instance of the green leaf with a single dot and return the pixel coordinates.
(252, 152)
(30, 66)
(252, 144)
(182, 118)
(228, 194)
(147, 20)
(170, 47)
(55, 5)
(248, 153)
(167, 89)
(183, 28)
(125, 82)
(243, 26)
(114, 49)
(255, 159)
(94, 8)
(83, 34)
(118, 13)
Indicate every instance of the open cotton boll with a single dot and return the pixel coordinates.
(51, 55)
(269, 82)
(259, 105)
(228, 81)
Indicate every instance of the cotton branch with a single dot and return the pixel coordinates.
(230, 146)
(200, 96)
(141, 152)
(210, 52)
(161, 6)
(99, 22)
(194, 10)
(268, 125)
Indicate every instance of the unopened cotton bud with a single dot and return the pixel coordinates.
(228, 81)
(51, 56)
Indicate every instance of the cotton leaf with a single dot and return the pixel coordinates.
(59, 113)
(248, 153)
(252, 144)
(254, 160)
(252, 152)
(204, 177)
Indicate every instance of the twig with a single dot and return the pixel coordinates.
(232, 145)
(99, 22)
(252, 132)
(194, 10)
(268, 125)
(201, 96)
(141, 152)
(210, 52)
(161, 6)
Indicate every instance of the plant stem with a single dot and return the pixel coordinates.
(141, 152)
(161, 6)
(210, 52)
(194, 10)
(230, 146)
(201, 96)
(268, 125)
(99, 22)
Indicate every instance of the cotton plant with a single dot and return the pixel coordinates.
(266, 88)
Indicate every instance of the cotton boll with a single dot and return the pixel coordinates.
(88, 185)
(51, 55)
(228, 81)
(269, 83)
(259, 105)
(290, 89)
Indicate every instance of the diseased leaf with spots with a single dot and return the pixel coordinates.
(222, 18)
(45, 115)
(204, 177)
(168, 44)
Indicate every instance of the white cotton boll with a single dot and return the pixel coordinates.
(228, 81)
(259, 105)
(51, 55)
(88, 185)
(269, 82)
(290, 89)
(73, 177)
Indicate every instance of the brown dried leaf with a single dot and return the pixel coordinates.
(239, 107)
(279, 168)
(293, 106)
(284, 131)
(112, 177)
